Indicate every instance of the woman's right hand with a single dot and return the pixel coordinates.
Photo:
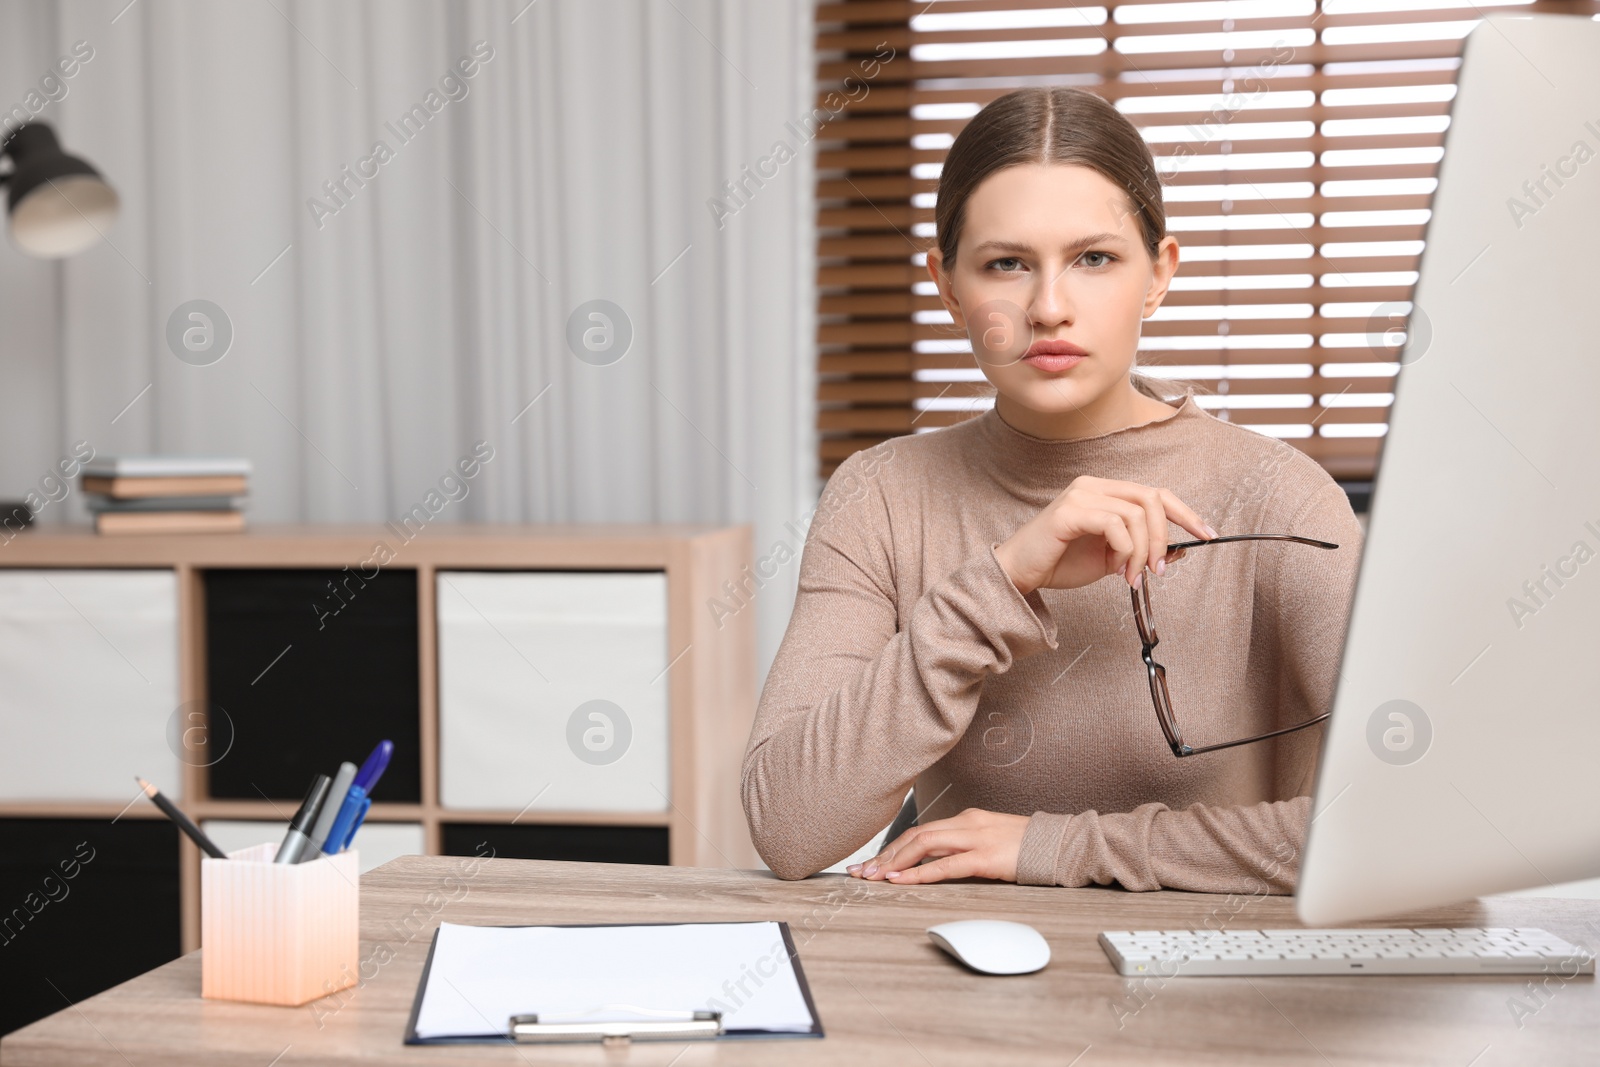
(1096, 527)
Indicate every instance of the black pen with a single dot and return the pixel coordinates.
(208, 846)
(294, 843)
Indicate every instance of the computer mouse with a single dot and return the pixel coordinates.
(993, 946)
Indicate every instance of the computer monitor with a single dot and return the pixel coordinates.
(1462, 753)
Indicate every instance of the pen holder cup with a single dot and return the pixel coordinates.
(278, 933)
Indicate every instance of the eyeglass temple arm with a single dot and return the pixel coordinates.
(1252, 537)
(1249, 740)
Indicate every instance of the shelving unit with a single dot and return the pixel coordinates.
(707, 668)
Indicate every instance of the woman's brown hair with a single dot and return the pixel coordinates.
(1053, 125)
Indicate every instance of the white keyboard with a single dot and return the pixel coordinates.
(1168, 953)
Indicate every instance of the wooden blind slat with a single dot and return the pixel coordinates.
(867, 38)
(898, 13)
(894, 390)
(887, 332)
(903, 362)
(896, 303)
(892, 419)
(877, 216)
(1110, 63)
(897, 187)
(869, 127)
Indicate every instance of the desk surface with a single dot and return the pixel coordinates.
(886, 995)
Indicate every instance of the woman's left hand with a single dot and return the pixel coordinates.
(974, 844)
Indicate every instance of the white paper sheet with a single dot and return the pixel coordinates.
(483, 975)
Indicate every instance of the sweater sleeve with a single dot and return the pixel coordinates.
(855, 707)
(1303, 603)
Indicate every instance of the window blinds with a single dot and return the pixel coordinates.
(1299, 143)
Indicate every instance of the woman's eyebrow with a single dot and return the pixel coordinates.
(1077, 245)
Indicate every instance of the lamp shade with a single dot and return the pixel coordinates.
(57, 204)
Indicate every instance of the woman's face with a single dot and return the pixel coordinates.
(1050, 257)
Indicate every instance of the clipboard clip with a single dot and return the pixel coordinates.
(670, 1026)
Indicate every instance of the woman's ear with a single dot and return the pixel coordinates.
(1162, 271)
(942, 280)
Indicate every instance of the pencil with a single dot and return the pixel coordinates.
(208, 846)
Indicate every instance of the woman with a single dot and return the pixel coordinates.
(953, 628)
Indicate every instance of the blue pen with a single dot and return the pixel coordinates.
(376, 764)
(359, 800)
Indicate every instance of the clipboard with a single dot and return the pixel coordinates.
(527, 1025)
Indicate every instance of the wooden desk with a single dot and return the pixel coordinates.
(885, 994)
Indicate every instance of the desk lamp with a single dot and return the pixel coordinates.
(58, 205)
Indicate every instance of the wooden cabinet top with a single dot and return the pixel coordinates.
(372, 544)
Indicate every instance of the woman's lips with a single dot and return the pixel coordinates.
(1054, 356)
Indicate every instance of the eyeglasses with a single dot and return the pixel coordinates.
(1146, 620)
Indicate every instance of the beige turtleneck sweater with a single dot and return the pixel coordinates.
(912, 658)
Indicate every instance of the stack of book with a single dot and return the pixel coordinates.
(166, 494)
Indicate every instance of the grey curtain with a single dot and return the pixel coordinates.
(391, 306)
